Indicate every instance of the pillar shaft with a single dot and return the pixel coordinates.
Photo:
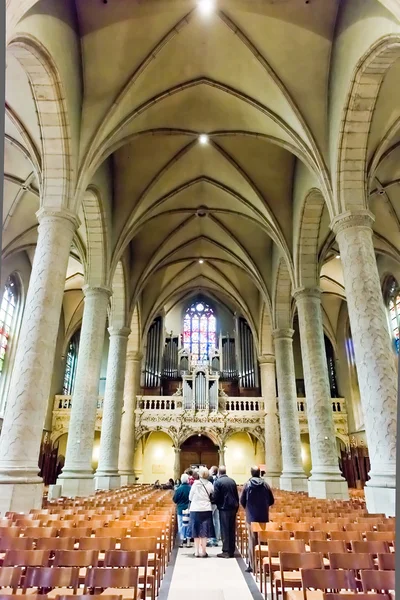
(20, 487)
(177, 464)
(293, 477)
(107, 476)
(77, 475)
(221, 456)
(127, 442)
(326, 479)
(272, 438)
(374, 354)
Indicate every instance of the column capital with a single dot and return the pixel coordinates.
(119, 332)
(96, 290)
(350, 219)
(266, 359)
(47, 213)
(176, 450)
(301, 293)
(134, 356)
(281, 334)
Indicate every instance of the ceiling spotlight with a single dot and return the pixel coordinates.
(206, 7)
(337, 256)
(201, 261)
(203, 138)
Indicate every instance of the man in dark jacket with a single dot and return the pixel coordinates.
(181, 499)
(226, 498)
(256, 498)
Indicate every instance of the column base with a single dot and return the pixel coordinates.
(107, 482)
(325, 488)
(272, 480)
(127, 479)
(20, 497)
(77, 486)
(381, 500)
(294, 484)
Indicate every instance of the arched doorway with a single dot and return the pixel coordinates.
(198, 450)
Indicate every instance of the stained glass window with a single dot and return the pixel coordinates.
(7, 314)
(394, 311)
(70, 364)
(199, 331)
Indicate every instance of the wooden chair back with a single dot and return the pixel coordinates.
(379, 581)
(27, 558)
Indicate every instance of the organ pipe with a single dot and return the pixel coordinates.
(247, 358)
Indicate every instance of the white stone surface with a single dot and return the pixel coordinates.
(293, 477)
(325, 466)
(107, 470)
(177, 464)
(31, 380)
(381, 500)
(127, 443)
(207, 578)
(273, 463)
(78, 459)
(373, 351)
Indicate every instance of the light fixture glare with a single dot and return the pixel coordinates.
(206, 7)
(201, 261)
(203, 138)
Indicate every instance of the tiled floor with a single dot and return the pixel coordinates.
(209, 578)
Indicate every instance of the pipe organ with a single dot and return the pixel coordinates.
(248, 372)
(200, 383)
(152, 374)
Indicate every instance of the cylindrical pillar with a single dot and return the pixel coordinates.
(177, 463)
(272, 438)
(77, 475)
(221, 455)
(374, 355)
(127, 443)
(293, 477)
(20, 487)
(326, 480)
(107, 476)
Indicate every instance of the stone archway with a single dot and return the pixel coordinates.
(198, 449)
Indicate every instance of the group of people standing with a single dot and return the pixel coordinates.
(207, 504)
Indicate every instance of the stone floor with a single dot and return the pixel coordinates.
(212, 578)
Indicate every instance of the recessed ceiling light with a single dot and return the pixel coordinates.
(206, 7)
(201, 261)
(337, 256)
(203, 138)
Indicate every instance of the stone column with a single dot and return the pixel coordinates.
(272, 439)
(293, 477)
(221, 455)
(20, 487)
(77, 475)
(326, 480)
(374, 355)
(127, 442)
(107, 476)
(177, 463)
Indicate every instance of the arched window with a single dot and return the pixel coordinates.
(199, 330)
(70, 364)
(7, 317)
(393, 303)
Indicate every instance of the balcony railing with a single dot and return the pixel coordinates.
(175, 403)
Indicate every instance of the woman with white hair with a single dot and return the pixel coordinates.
(201, 523)
(181, 499)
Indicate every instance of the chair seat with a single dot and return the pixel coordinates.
(293, 576)
(274, 561)
(124, 592)
(298, 595)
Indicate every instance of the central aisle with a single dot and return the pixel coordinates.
(209, 578)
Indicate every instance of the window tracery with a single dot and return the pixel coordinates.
(71, 364)
(393, 304)
(199, 330)
(8, 311)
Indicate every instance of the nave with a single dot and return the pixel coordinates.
(122, 543)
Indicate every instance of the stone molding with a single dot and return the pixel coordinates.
(123, 332)
(303, 293)
(280, 334)
(134, 356)
(46, 213)
(266, 359)
(350, 219)
(94, 290)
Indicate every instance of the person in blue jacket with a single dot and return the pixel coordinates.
(181, 499)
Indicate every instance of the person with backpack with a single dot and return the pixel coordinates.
(181, 499)
(256, 498)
